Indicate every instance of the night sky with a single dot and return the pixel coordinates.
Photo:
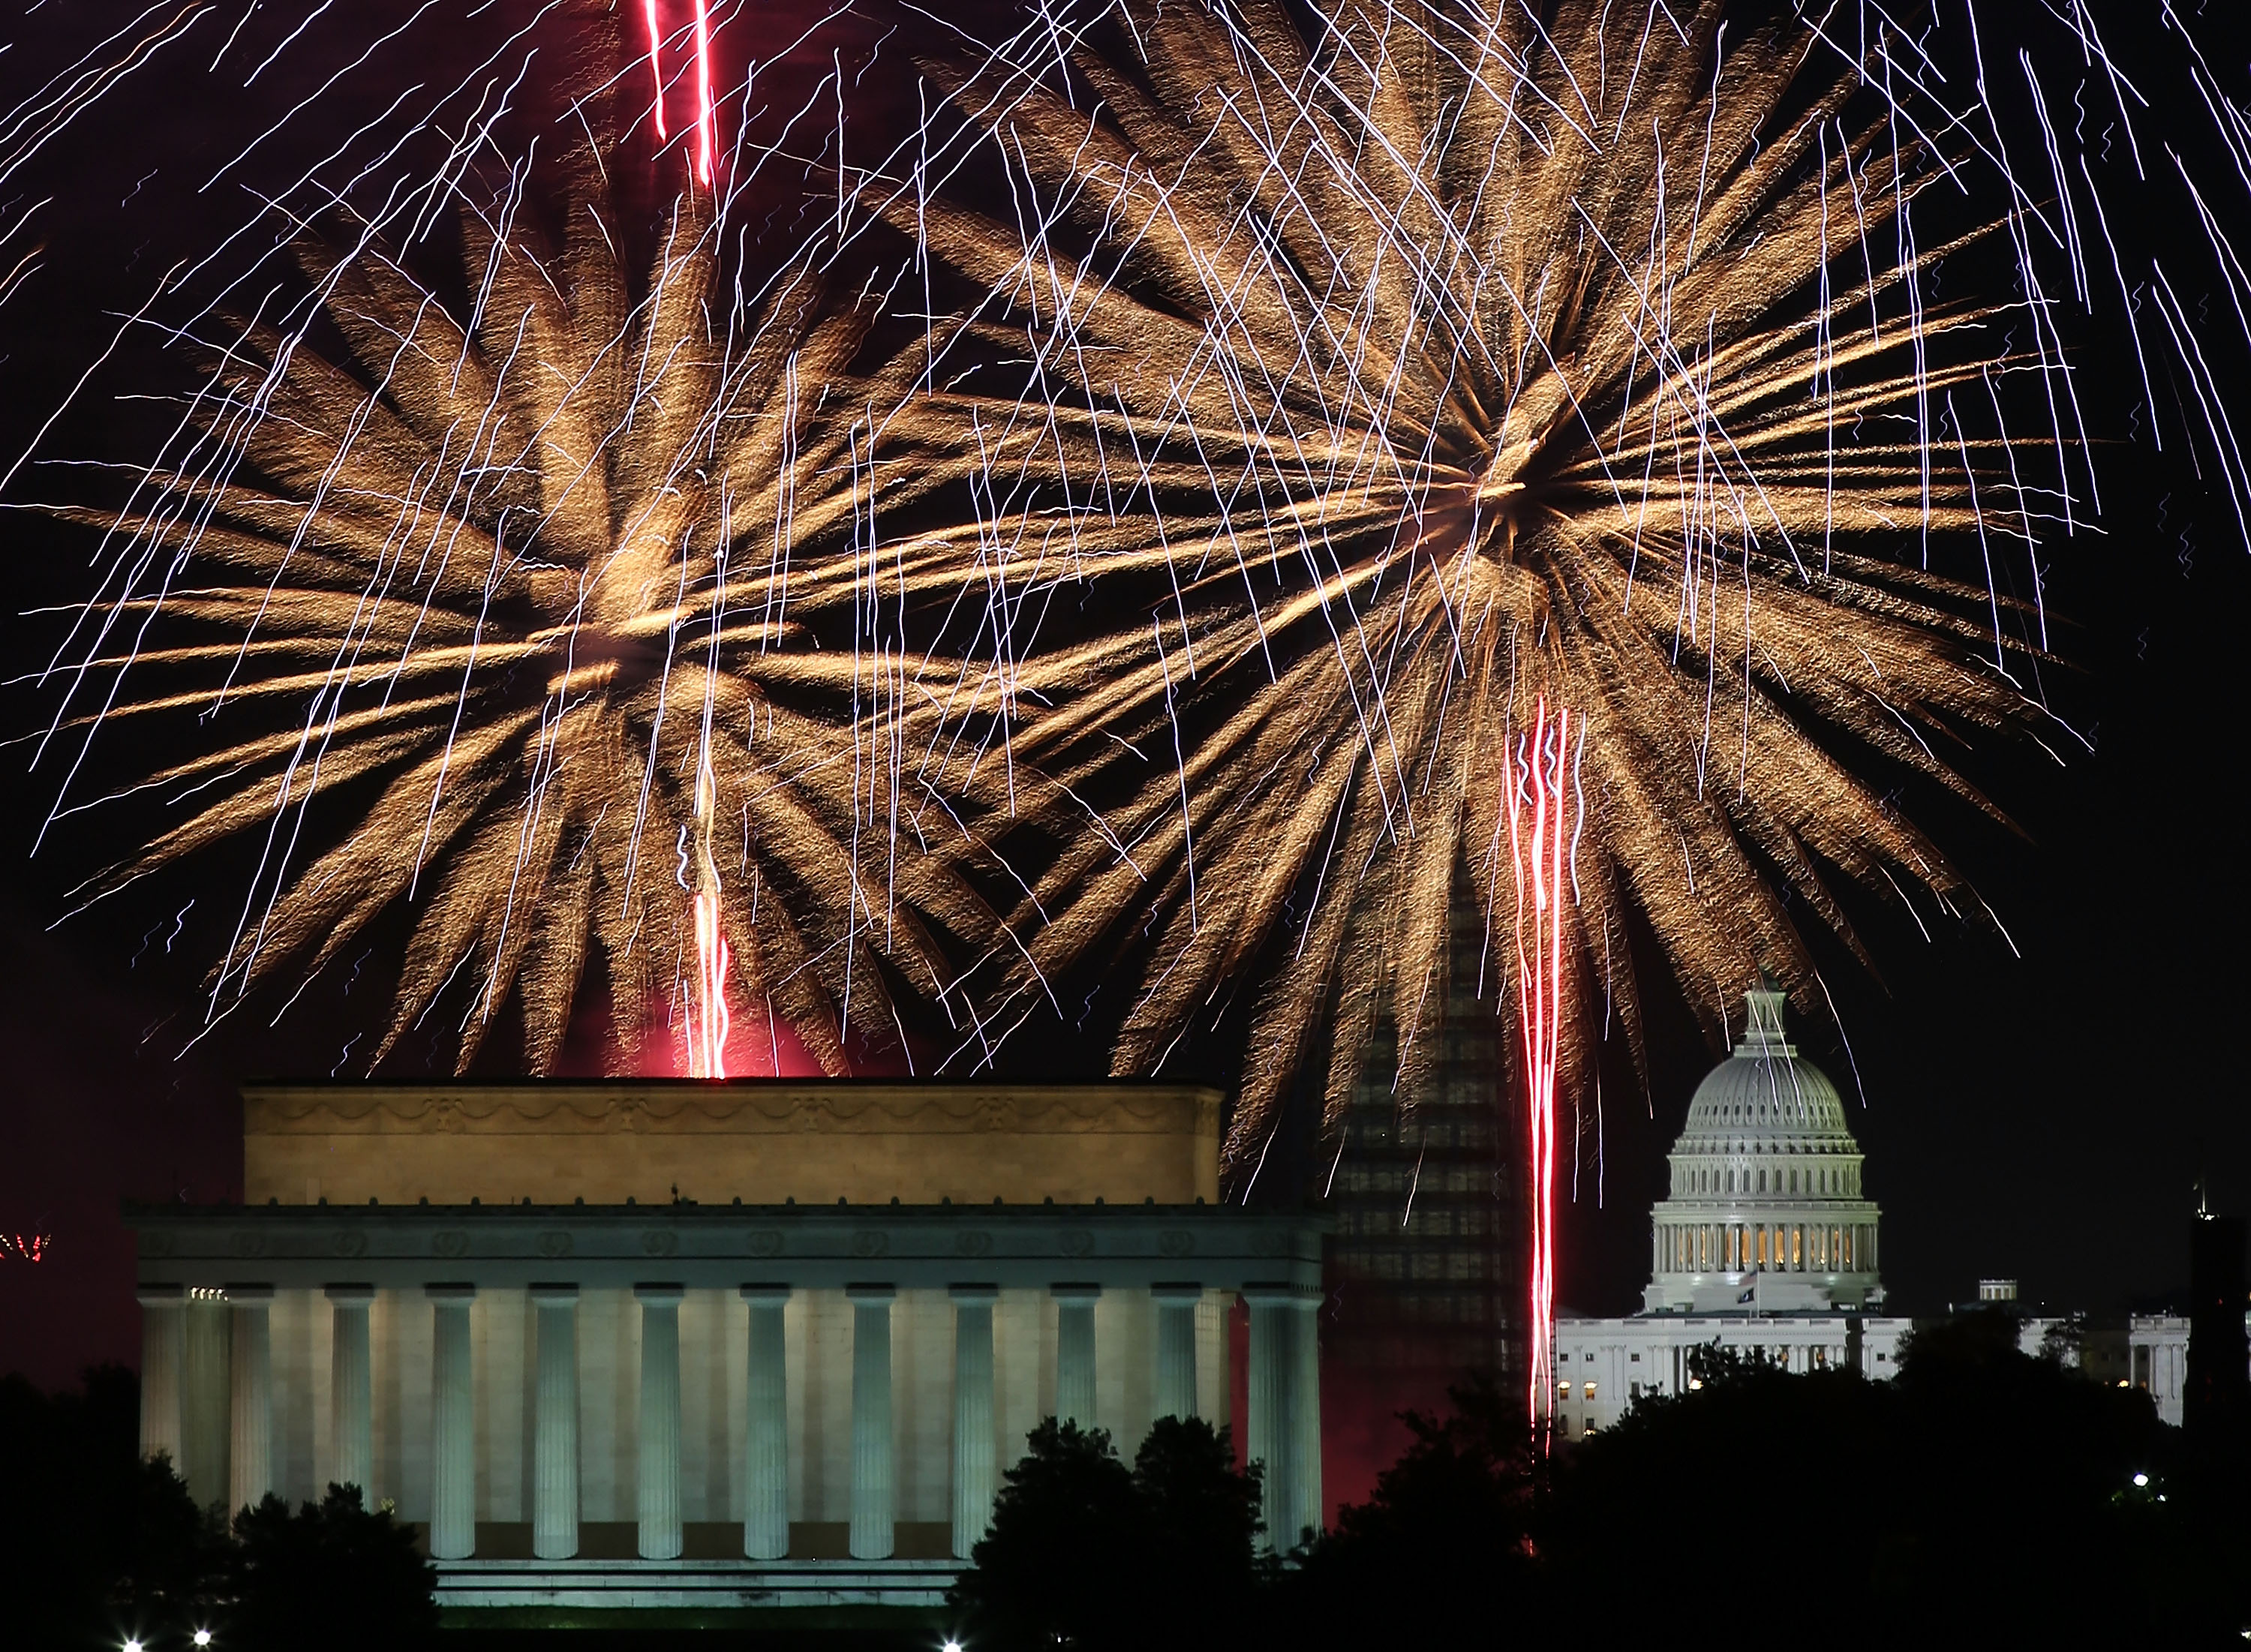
(2043, 1113)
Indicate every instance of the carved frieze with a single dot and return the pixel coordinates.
(628, 1107)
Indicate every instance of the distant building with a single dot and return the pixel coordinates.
(2160, 1351)
(2197, 1365)
(1765, 1242)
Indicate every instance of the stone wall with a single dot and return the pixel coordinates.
(761, 1141)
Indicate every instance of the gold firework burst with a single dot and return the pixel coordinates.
(1390, 372)
(543, 597)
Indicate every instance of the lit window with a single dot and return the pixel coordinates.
(1590, 1390)
(1562, 1391)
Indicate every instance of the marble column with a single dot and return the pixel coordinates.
(1273, 1373)
(972, 1414)
(555, 1427)
(766, 1431)
(1074, 1352)
(206, 1396)
(1176, 1348)
(871, 1421)
(1306, 1410)
(658, 1454)
(162, 1336)
(250, 1418)
(453, 1426)
(351, 1391)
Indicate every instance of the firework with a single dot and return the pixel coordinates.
(1392, 373)
(562, 624)
(1382, 369)
(1538, 777)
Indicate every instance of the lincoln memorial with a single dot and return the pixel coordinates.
(714, 1346)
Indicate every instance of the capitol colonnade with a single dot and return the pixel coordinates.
(1779, 1247)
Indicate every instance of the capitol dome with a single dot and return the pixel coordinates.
(1765, 1213)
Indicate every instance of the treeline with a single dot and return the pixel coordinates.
(1983, 1496)
(99, 1548)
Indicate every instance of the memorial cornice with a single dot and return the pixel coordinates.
(752, 1107)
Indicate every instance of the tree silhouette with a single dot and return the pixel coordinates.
(332, 1574)
(1084, 1553)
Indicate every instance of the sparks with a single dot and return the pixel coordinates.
(1506, 397)
(1587, 352)
(1536, 776)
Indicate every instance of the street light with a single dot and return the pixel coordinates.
(202, 1637)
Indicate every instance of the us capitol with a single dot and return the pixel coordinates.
(1765, 1244)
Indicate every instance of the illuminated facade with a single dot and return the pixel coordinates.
(1765, 1241)
(714, 1347)
(1766, 1196)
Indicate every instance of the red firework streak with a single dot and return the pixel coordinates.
(706, 1017)
(707, 120)
(707, 1032)
(1535, 776)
